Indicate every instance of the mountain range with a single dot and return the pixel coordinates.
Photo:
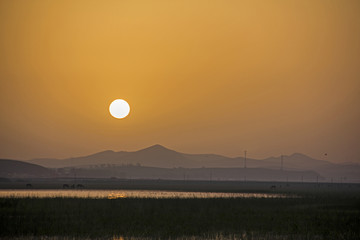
(158, 156)
(158, 162)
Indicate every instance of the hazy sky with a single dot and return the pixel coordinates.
(272, 77)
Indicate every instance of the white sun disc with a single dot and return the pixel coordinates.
(119, 108)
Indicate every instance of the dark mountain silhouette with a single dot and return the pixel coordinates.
(295, 161)
(94, 159)
(19, 169)
(158, 156)
(154, 156)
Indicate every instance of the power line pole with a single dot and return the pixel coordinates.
(245, 159)
(282, 162)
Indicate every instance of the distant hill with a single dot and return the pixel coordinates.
(19, 169)
(154, 156)
(158, 156)
(295, 161)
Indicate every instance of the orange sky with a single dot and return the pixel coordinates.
(272, 77)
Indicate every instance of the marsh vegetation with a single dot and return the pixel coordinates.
(311, 216)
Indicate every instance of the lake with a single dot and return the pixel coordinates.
(115, 194)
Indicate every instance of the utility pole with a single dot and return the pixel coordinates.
(74, 170)
(245, 159)
(282, 162)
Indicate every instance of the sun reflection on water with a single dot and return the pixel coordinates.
(116, 195)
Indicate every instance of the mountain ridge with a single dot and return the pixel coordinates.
(158, 156)
(20, 169)
(13, 169)
(157, 150)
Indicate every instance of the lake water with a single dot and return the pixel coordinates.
(111, 194)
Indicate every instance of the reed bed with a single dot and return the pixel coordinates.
(312, 216)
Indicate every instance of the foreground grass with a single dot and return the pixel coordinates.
(310, 217)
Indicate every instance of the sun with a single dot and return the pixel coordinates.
(119, 108)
